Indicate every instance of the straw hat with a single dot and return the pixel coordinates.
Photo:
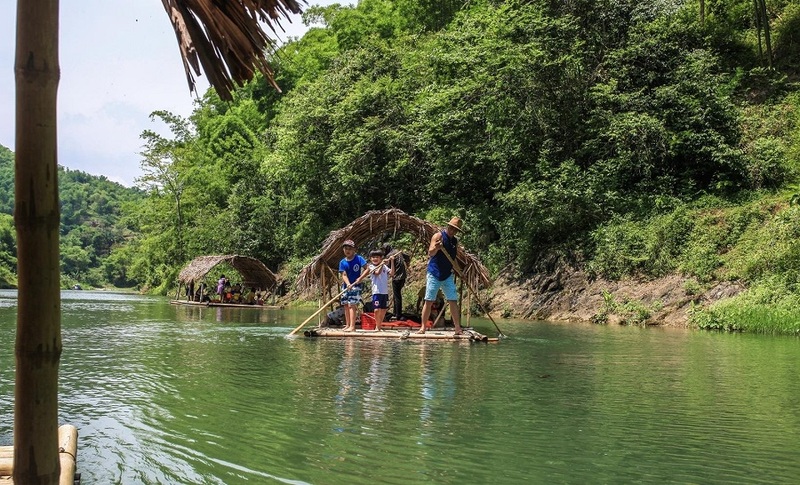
(455, 223)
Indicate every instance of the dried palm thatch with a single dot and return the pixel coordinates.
(226, 38)
(254, 273)
(376, 226)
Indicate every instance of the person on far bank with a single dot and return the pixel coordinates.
(440, 273)
(352, 268)
(380, 274)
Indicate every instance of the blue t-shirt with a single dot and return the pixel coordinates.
(353, 268)
(438, 265)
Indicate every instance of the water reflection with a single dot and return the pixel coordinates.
(169, 394)
(347, 399)
(377, 381)
(436, 393)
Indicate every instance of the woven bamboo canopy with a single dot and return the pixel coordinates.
(375, 226)
(254, 273)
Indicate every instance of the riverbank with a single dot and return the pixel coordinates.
(570, 294)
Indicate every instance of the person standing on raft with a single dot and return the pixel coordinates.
(440, 273)
(352, 268)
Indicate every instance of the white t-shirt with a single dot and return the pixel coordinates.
(380, 281)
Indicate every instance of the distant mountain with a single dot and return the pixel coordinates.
(91, 222)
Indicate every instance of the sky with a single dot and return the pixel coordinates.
(119, 62)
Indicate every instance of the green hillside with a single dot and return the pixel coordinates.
(92, 227)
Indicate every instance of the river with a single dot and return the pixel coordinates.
(165, 394)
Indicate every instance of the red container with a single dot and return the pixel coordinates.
(367, 321)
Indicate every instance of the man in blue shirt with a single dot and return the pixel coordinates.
(440, 273)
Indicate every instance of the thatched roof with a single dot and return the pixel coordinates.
(378, 226)
(254, 273)
(227, 38)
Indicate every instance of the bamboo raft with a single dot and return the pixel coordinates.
(225, 305)
(67, 453)
(468, 334)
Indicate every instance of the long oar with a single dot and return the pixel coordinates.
(335, 297)
(439, 317)
(474, 293)
(320, 309)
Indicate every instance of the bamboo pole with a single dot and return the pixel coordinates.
(321, 289)
(67, 453)
(474, 293)
(297, 329)
(36, 218)
(7, 464)
(440, 316)
(469, 307)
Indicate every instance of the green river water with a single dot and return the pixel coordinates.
(165, 394)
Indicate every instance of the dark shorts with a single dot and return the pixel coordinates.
(380, 300)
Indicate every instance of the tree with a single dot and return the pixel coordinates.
(162, 174)
(762, 24)
(230, 42)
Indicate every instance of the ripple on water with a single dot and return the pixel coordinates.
(163, 396)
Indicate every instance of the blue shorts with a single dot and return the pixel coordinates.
(380, 301)
(351, 296)
(448, 287)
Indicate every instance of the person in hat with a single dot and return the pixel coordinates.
(440, 273)
(352, 268)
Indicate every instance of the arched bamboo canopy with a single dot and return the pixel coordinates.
(254, 273)
(375, 226)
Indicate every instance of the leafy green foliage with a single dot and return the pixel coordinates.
(92, 227)
(633, 133)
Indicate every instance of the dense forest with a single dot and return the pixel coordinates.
(633, 138)
(92, 226)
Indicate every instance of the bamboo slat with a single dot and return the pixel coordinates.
(467, 336)
(67, 454)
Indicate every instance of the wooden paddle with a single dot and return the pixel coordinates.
(383, 263)
(469, 287)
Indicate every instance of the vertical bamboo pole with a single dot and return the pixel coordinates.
(36, 217)
(321, 291)
(461, 297)
(469, 309)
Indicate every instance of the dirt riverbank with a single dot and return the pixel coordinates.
(568, 294)
(565, 292)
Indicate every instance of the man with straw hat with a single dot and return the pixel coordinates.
(441, 273)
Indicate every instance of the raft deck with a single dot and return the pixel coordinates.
(468, 334)
(67, 453)
(225, 305)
